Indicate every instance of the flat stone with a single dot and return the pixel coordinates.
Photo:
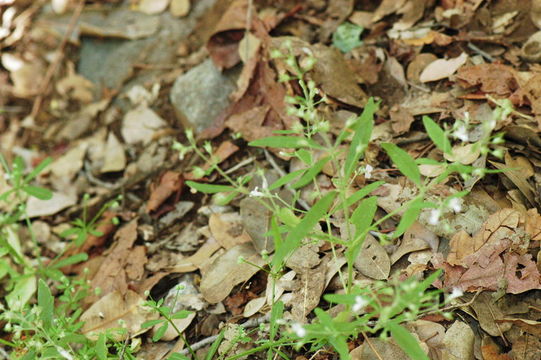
(201, 94)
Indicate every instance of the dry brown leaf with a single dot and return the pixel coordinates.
(373, 260)
(152, 7)
(459, 342)
(171, 182)
(488, 313)
(227, 229)
(227, 271)
(533, 224)
(308, 296)
(180, 8)
(106, 313)
(416, 238)
(494, 79)
(199, 259)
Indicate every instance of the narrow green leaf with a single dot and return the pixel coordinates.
(160, 332)
(215, 345)
(363, 215)
(404, 162)
(101, 347)
(46, 304)
(151, 323)
(362, 131)
(38, 192)
(293, 142)
(209, 188)
(437, 135)
(24, 290)
(277, 313)
(407, 342)
(408, 218)
(74, 259)
(286, 179)
(182, 314)
(39, 168)
(358, 195)
(306, 225)
(311, 173)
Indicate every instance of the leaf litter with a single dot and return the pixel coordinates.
(452, 60)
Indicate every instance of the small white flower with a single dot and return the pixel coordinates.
(434, 216)
(368, 171)
(461, 133)
(455, 205)
(360, 303)
(256, 193)
(298, 329)
(456, 293)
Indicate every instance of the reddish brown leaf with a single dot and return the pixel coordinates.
(170, 183)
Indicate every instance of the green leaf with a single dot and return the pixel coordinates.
(74, 259)
(151, 323)
(437, 135)
(362, 131)
(408, 218)
(209, 188)
(407, 342)
(298, 233)
(363, 192)
(294, 142)
(215, 345)
(286, 179)
(277, 313)
(347, 37)
(38, 192)
(364, 214)
(101, 347)
(160, 332)
(182, 314)
(39, 168)
(404, 162)
(46, 303)
(24, 289)
(311, 173)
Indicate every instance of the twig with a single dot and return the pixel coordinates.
(481, 52)
(239, 165)
(209, 340)
(56, 62)
(371, 346)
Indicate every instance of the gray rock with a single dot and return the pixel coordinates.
(110, 62)
(201, 94)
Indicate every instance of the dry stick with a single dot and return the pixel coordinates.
(56, 62)
(209, 340)
(371, 346)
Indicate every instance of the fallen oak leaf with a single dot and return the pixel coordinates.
(171, 182)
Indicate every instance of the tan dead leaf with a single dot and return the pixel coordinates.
(518, 170)
(305, 257)
(197, 260)
(180, 8)
(488, 313)
(75, 86)
(401, 119)
(68, 165)
(377, 349)
(535, 13)
(248, 47)
(529, 326)
(115, 160)
(464, 154)
(462, 245)
(170, 183)
(253, 306)
(412, 12)
(442, 68)
(533, 224)
(373, 260)
(430, 170)
(106, 313)
(227, 271)
(432, 334)
(256, 221)
(277, 288)
(459, 342)
(140, 125)
(417, 65)
(308, 296)
(60, 201)
(227, 229)
(416, 238)
(387, 7)
(152, 7)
